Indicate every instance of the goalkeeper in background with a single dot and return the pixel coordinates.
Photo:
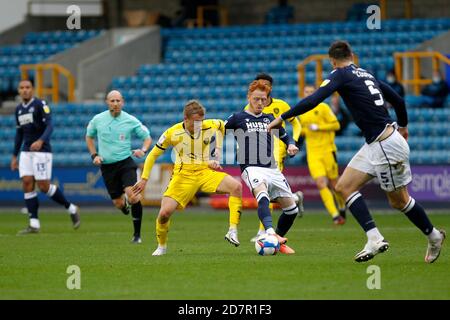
(319, 127)
(194, 169)
(276, 107)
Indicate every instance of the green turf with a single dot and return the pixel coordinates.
(200, 264)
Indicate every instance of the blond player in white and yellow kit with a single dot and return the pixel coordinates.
(194, 169)
(319, 127)
(276, 107)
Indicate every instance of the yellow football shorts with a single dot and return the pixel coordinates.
(185, 184)
(323, 164)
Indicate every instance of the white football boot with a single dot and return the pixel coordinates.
(160, 251)
(232, 237)
(434, 248)
(371, 249)
(299, 203)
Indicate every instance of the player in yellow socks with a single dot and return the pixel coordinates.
(319, 127)
(194, 170)
(276, 107)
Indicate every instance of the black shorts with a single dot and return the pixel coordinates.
(118, 176)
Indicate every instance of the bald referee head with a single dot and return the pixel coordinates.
(115, 102)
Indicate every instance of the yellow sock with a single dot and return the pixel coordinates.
(339, 200)
(328, 201)
(235, 206)
(161, 232)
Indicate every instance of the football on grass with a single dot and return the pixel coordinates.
(267, 245)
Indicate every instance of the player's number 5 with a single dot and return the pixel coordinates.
(374, 91)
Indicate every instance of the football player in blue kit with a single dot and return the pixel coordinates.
(33, 130)
(258, 165)
(385, 154)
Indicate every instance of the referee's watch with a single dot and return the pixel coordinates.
(94, 155)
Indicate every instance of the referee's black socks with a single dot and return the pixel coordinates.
(136, 213)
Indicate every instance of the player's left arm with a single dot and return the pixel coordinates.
(44, 111)
(287, 139)
(399, 106)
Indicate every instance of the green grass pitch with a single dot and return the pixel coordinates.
(200, 264)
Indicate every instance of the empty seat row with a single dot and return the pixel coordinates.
(308, 29)
(59, 36)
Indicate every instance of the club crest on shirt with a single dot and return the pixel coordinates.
(276, 110)
(46, 109)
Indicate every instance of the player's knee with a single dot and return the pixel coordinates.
(27, 185)
(44, 186)
(164, 215)
(398, 203)
(236, 190)
(340, 188)
(321, 182)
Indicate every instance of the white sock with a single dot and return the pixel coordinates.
(374, 235)
(72, 209)
(270, 231)
(434, 235)
(295, 197)
(35, 223)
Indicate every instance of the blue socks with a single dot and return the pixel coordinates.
(358, 208)
(56, 195)
(32, 204)
(286, 220)
(416, 214)
(263, 209)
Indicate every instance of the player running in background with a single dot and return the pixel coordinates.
(194, 170)
(256, 158)
(319, 126)
(276, 107)
(385, 154)
(34, 128)
(113, 129)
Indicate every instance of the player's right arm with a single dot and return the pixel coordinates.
(91, 132)
(159, 148)
(17, 145)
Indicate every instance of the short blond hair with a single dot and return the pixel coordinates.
(193, 107)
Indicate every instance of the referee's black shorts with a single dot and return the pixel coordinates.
(118, 176)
